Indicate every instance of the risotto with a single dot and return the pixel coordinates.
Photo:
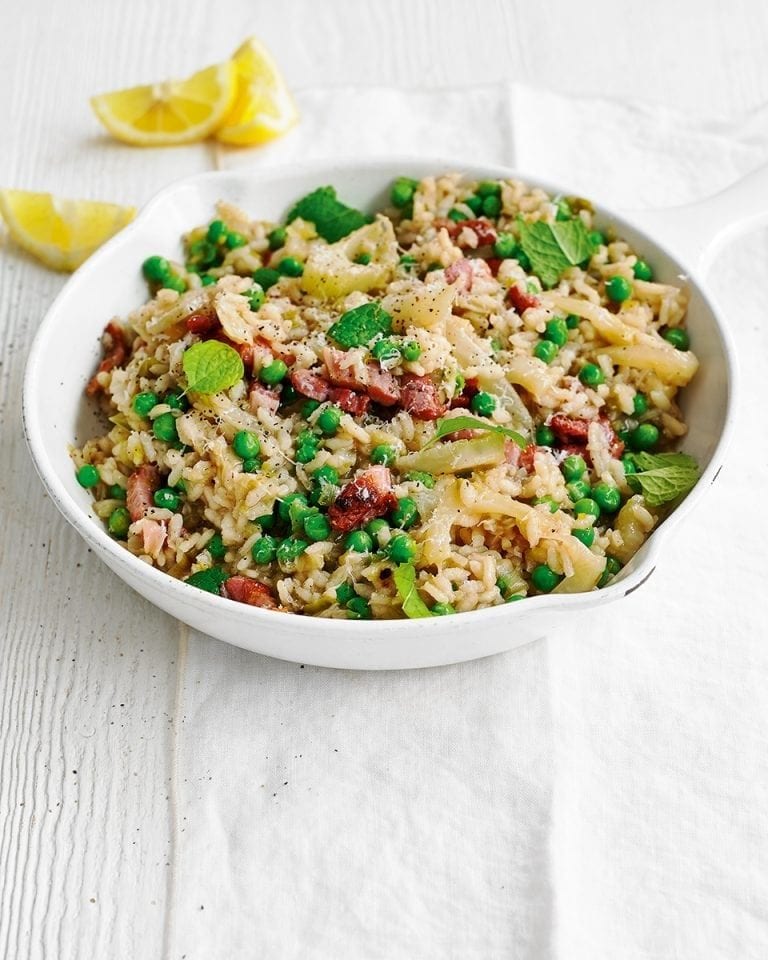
(462, 400)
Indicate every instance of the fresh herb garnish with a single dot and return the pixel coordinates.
(209, 580)
(553, 247)
(212, 366)
(405, 581)
(357, 327)
(332, 218)
(663, 477)
(452, 424)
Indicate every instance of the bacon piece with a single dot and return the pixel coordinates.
(115, 352)
(481, 227)
(493, 264)
(527, 457)
(616, 446)
(153, 533)
(310, 384)
(341, 371)
(462, 400)
(420, 398)
(569, 429)
(382, 386)
(368, 496)
(460, 271)
(261, 397)
(142, 483)
(350, 402)
(512, 453)
(462, 435)
(521, 300)
(203, 322)
(246, 590)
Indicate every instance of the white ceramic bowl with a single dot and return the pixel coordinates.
(66, 351)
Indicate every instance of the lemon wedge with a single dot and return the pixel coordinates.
(62, 233)
(172, 112)
(263, 108)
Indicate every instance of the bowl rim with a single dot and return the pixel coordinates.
(96, 536)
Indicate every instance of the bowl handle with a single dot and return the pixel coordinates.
(697, 231)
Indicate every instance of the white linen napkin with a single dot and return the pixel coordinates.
(587, 796)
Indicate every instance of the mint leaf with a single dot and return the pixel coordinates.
(405, 581)
(663, 477)
(553, 247)
(357, 327)
(449, 425)
(212, 366)
(332, 218)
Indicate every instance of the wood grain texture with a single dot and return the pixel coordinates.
(89, 670)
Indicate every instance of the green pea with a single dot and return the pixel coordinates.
(235, 239)
(677, 337)
(203, 254)
(572, 321)
(419, 476)
(344, 593)
(308, 408)
(640, 404)
(410, 350)
(618, 289)
(266, 277)
(358, 541)
(215, 547)
(483, 404)
(246, 444)
(407, 261)
(553, 505)
(359, 608)
(385, 350)
(523, 259)
(586, 507)
(578, 490)
(363, 259)
(290, 549)
(217, 230)
(144, 403)
(255, 297)
(607, 497)
(585, 534)
(328, 421)
(156, 269)
(492, 206)
(574, 467)
(251, 465)
(642, 270)
(402, 192)
(174, 283)
(544, 578)
(597, 238)
(375, 527)
(442, 609)
(401, 548)
(591, 375)
(176, 400)
(505, 246)
(277, 237)
(290, 267)
(629, 464)
(273, 372)
(405, 514)
(556, 331)
(644, 437)
(326, 475)
(516, 596)
(164, 428)
(383, 454)
(307, 445)
(317, 527)
(207, 280)
(546, 350)
(488, 188)
(119, 522)
(457, 215)
(612, 567)
(475, 204)
(502, 584)
(264, 550)
(166, 498)
(284, 505)
(545, 436)
(116, 492)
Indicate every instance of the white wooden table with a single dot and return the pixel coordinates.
(88, 671)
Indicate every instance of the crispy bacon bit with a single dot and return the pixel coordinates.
(350, 402)
(341, 371)
(527, 457)
(203, 322)
(521, 300)
(615, 445)
(493, 264)
(246, 590)
(420, 398)
(142, 483)
(462, 435)
(481, 227)
(115, 351)
(460, 271)
(261, 397)
(569, 429)
(367, 497)
(462, 400)
(382, 387)
(310, 384)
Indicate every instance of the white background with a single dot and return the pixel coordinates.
(92, 683)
